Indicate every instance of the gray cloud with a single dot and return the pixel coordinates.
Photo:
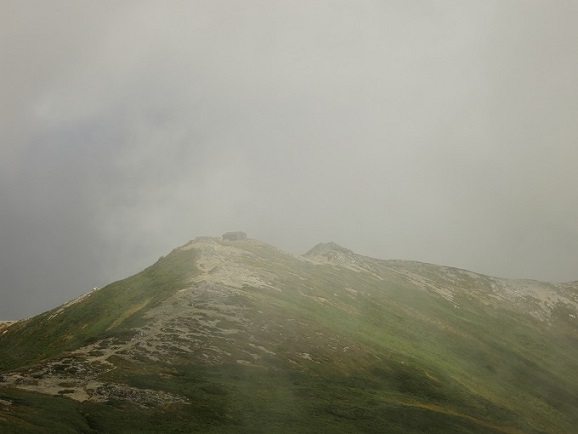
(443, 132)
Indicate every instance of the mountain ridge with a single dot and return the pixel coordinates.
(331, 252)
(450, 346)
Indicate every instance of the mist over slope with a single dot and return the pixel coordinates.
(238, 336)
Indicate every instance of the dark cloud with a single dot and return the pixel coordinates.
(443, 132)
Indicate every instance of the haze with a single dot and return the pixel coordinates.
(442, 132)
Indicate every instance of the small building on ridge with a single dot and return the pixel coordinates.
(234, 236)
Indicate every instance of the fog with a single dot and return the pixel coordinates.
(442, 132)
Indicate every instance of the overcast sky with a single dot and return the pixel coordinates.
(440, 131)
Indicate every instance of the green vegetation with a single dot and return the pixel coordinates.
(233, 399)
(321, 348)
(113, 311)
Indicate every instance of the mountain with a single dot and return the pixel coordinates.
(240, 337)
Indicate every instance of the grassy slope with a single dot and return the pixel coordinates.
(114, 309)
(421, 365)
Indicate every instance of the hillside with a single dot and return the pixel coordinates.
(237, 336)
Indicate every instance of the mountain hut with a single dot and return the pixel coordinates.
(234, 236)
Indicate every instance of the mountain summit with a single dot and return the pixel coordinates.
(238, 336)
